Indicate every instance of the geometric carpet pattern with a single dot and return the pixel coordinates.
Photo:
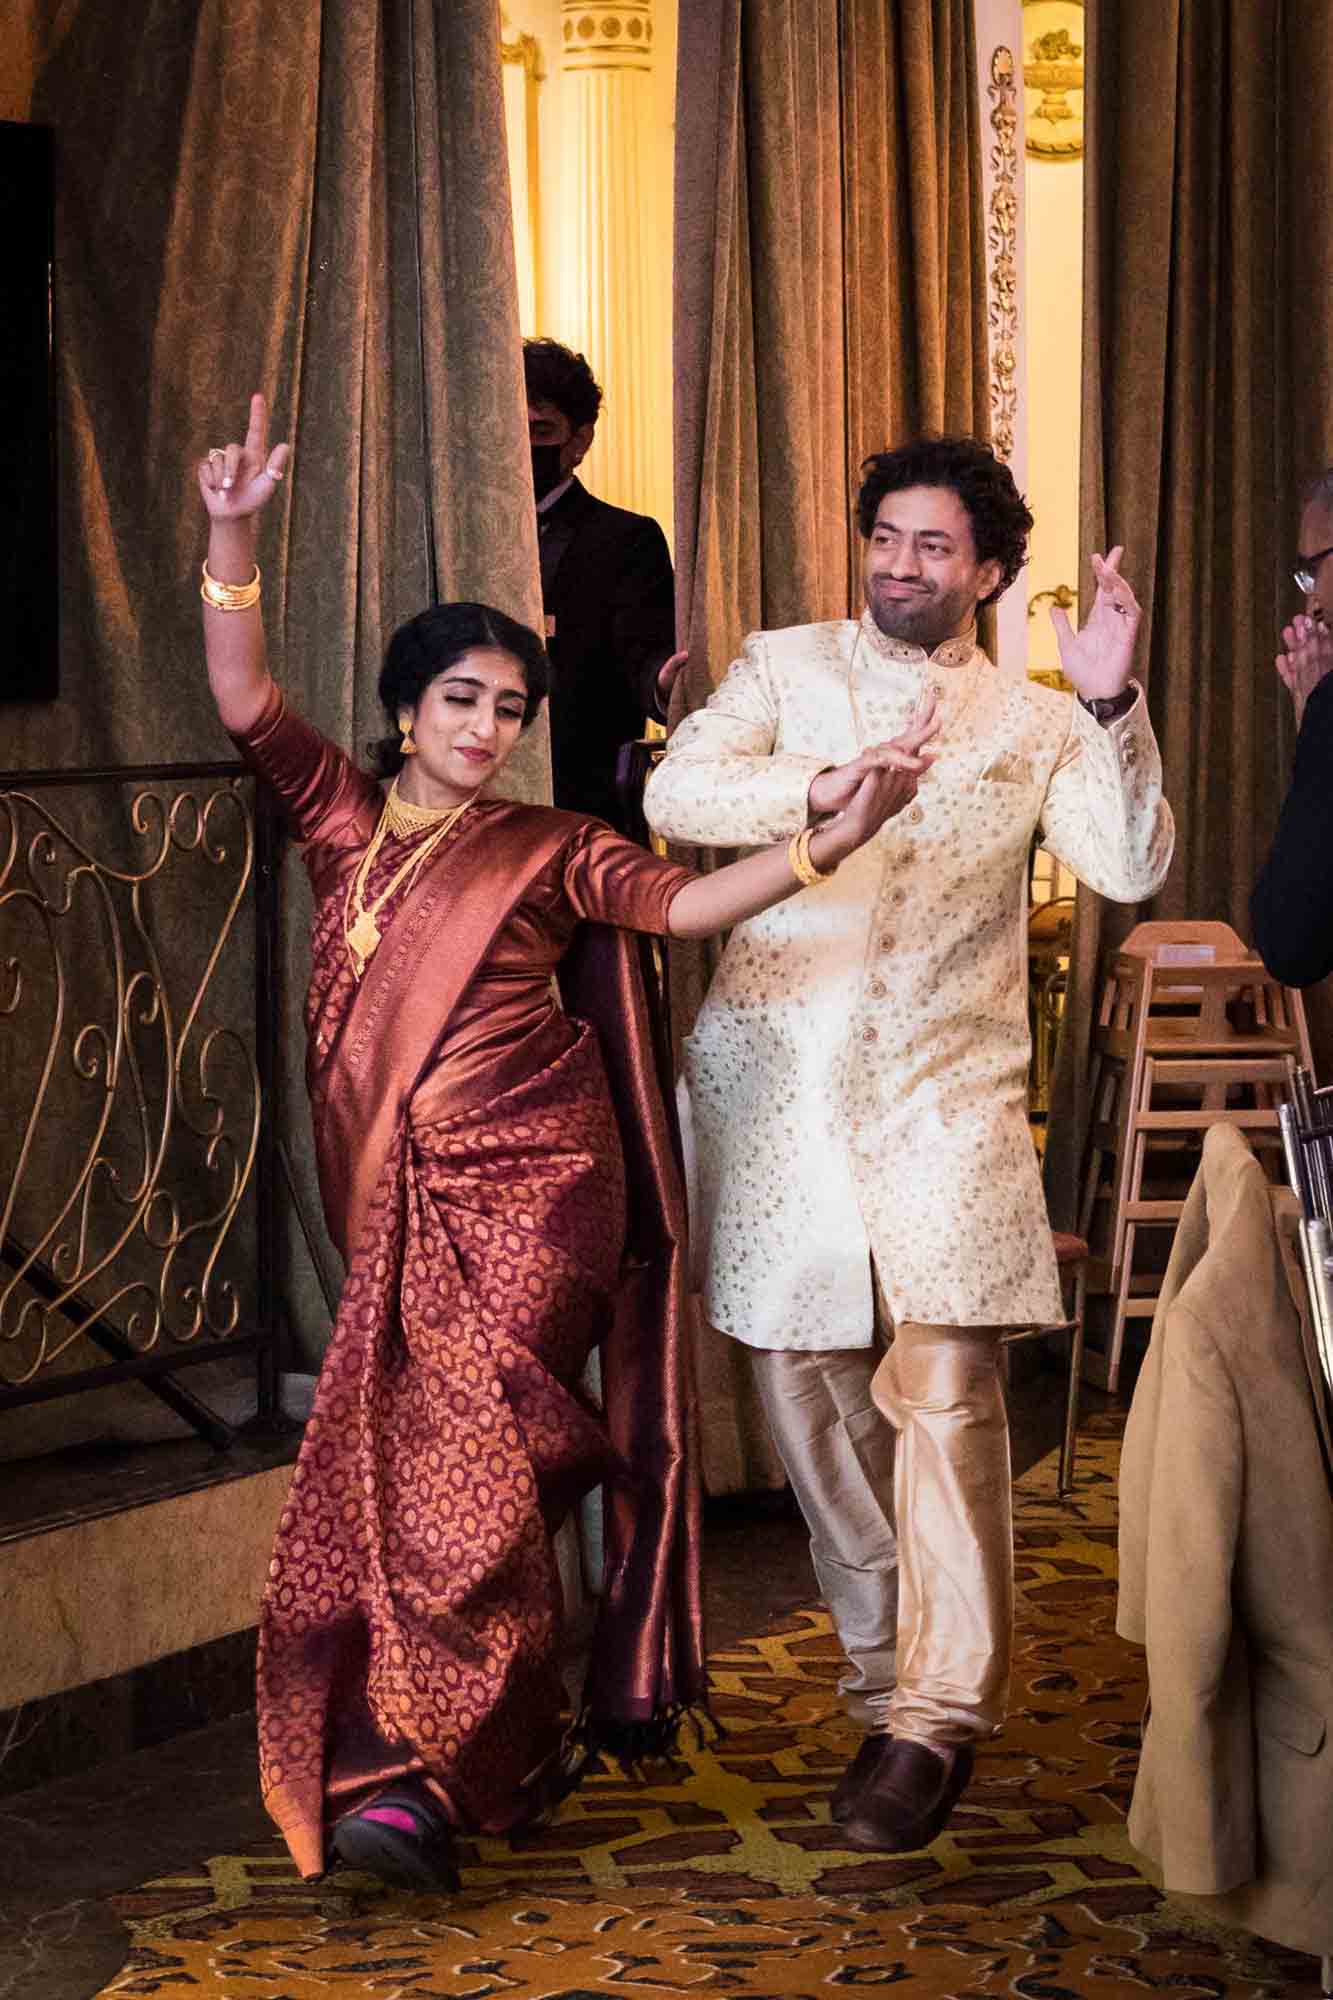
(721, 1874)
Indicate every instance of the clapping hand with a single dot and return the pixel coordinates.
(236, 480)
(872, 788)
(904, 757)
(1097, 659)
(1309, 656)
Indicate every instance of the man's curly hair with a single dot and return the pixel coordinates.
(556, 374)
(997, 510)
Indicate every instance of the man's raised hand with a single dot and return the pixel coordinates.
(236, 480)
(1096, 659)
(1308, 658)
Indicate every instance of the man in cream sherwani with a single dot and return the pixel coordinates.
(857, 1080)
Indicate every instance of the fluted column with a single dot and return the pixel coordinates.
(613, 286)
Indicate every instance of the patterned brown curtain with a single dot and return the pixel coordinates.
(830, 300)
(1208, 335)
(313, 199)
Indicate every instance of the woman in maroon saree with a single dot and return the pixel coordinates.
(474, 1173)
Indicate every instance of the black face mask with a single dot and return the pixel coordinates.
(547, 471)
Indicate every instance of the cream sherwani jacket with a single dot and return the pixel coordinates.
(857, 1077)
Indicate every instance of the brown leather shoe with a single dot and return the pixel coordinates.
(908, 1797)
(843, 1796)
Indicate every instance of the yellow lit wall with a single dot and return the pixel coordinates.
(1054, 344)
(573, 277)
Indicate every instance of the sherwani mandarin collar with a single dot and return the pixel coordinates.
(959, 652)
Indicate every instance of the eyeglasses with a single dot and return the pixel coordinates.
(1305, 574)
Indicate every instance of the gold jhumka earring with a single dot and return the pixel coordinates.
(408, 746)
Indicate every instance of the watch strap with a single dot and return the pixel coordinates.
(1109, 707)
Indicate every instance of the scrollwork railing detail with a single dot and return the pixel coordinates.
(131, 1091)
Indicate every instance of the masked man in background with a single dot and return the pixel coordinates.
(607, 593)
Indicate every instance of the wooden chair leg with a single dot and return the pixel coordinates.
(1069, 1442)
(1115, 1345)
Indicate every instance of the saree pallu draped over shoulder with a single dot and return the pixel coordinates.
(412, 1618)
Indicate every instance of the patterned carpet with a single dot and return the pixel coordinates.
(722, 1876)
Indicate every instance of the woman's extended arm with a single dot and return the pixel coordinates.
(235, 483)
(714, 902)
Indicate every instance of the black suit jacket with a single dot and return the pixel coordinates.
(609, 599)
(1291, 909)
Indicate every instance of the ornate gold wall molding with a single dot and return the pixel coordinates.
(520, 57)
(521, 50)
(618, 36)
(1053, 74)
(1063, 595)
(1002, 244)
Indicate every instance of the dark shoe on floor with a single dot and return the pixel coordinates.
(402, 1836)
(843, 1795)
(907, 1799)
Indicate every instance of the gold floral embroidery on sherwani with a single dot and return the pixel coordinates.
(857, 1075)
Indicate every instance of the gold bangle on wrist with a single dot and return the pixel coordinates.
(229, 596)
(798, 857)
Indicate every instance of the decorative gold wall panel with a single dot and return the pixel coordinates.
(1002, 239)
(1053, 74)
(606, 37)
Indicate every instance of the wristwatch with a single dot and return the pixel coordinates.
(1109, 707)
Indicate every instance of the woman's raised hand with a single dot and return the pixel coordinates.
(236, 480)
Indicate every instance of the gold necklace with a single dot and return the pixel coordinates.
(402, 819)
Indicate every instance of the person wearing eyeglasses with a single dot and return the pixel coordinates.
(1291, 910)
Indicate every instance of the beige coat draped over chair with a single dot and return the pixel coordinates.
(857, 1077)
(1226, 1565)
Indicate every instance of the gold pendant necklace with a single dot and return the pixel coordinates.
(401, 819)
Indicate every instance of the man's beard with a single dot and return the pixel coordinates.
(923, 620)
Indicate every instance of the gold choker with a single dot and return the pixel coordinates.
(402, 819)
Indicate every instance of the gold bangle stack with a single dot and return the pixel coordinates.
(802, 867)
(229, 596)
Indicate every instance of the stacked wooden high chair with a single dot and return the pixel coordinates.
(1192, 1031)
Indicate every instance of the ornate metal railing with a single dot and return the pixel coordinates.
(138, 931)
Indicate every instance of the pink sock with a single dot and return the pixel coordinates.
(392, 1816)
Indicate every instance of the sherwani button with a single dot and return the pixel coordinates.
(877, 989)
(915, 815)
(870, 1034)
(888, 941)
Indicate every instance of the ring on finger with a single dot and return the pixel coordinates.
(271, 472)
(215, 451)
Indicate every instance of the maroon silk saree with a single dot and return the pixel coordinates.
(412, 1618)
